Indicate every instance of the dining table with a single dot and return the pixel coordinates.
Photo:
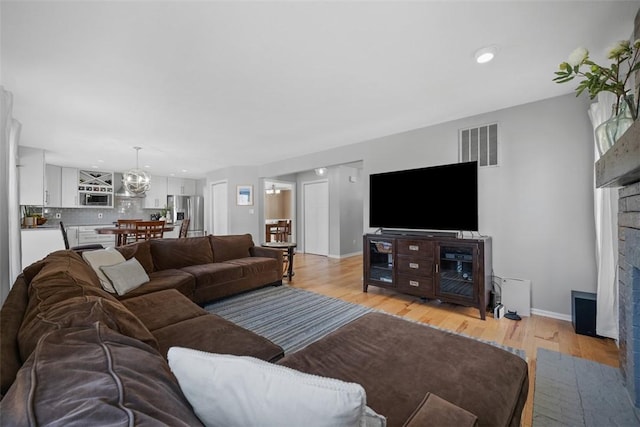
(122, 232)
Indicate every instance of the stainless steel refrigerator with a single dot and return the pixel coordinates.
(182, 207)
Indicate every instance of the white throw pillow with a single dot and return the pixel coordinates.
(100, 258)
(226, 390)
(125, 276)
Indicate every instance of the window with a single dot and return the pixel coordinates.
(481, 144)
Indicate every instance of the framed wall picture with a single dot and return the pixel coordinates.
(244, 195)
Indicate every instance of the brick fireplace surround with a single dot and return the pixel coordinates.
(620, 167)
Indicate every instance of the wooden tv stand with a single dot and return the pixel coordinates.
(435, 267)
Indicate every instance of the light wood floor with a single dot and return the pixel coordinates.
(343, 279)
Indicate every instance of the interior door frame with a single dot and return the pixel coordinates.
(294, 210)
(212, 205)
(304, 214)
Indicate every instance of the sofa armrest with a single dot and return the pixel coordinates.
(435, 411)
(262, 251)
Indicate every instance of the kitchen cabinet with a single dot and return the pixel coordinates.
(31, 176)
(52, 186)
(38, 243)
(156, 197)
(181, 186)
(69, 188)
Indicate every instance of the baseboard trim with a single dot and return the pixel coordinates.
(344, 255)
(551, 314)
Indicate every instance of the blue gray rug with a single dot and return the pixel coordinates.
(570, 391)
(289, 317)
(294, 318)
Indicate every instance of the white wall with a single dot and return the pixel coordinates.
(537, 204)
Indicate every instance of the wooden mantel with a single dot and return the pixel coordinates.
(620, 165)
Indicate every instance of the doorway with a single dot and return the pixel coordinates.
(316, 217)
(279, 205)
(219, 208)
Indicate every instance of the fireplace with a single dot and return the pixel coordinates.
(620, 167)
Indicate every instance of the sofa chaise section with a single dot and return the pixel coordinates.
(398, 362)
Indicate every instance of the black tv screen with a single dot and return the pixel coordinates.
(433, 198)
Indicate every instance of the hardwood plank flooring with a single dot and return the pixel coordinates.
(342, 278)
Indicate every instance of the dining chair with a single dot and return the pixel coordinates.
(79, 248)
(146, 230)
(184, 228)
(127, 223)
(282, 231)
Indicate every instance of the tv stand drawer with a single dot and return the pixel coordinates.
(415, 266)
(415, 247)
(412, 285)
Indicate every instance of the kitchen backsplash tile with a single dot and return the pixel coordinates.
(124, 208)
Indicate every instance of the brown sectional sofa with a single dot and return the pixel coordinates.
(72, 353)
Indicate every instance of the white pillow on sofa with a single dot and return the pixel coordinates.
(125, 276)
(226, 390)
(100, 258)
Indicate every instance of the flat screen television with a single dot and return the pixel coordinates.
(441, 197)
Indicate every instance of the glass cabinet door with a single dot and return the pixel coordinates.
(381, 260)
(456, 275)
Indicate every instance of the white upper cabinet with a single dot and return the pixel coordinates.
(69, 188)
(156, 197)
(31, 176)
(52, 186)
(181, 186)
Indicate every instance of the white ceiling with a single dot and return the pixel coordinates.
(203, 85)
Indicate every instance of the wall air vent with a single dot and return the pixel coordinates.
(479, 144)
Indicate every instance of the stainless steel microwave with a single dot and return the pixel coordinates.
(94, 199)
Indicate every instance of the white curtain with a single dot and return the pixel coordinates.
(10, 250)
(606, 221)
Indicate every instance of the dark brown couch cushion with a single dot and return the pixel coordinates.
(398, 362)
(214, 334)
(140, 251)
(231, 246)
(252, 266)
(81, 311)
(215, 273)
(173, 306)
(161, 280)
(178, 253)
(437, 412)
(64, 275)
(63, 282)
(10, 320)
(94, 376)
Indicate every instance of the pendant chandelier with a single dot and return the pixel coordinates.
(136, 180)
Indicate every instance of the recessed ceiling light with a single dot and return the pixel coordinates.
(147, 166)
(184, 170)
(485, 54)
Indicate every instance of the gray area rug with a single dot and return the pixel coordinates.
(294, 318)
(570, 391)
(289, 317)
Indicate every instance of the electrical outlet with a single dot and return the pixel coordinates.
(100, 215)
(58, 215)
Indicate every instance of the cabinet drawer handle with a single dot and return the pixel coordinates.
(414, 265)
(414, 283)
(414, 247)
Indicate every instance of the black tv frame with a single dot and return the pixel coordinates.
(434, 200)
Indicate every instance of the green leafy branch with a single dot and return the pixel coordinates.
(598, 79)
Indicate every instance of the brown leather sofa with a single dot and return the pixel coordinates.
(74, 354)
(205, 268)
